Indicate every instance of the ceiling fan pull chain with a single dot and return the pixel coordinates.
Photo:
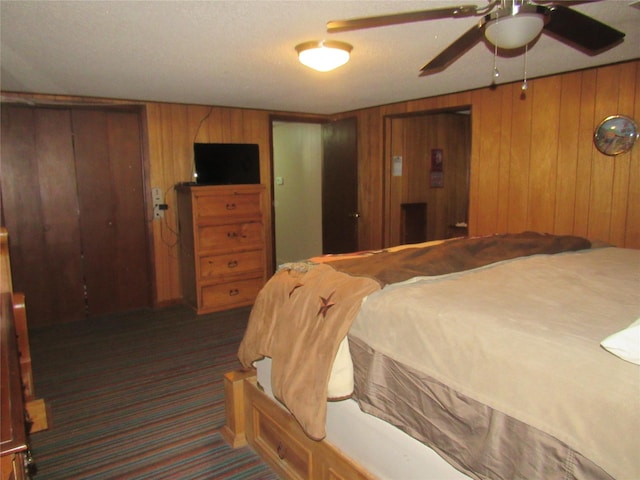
(496, 72)
(524, 82)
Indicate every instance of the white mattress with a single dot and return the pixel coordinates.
(381, 448)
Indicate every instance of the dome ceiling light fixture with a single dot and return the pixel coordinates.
(324, 55)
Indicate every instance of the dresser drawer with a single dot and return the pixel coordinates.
(230, 236)
(241, 205)
(213, 266)
(222, 296)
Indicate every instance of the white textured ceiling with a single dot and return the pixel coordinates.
(241, 53)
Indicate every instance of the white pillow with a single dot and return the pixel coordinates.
(341, 379)
(625, 343)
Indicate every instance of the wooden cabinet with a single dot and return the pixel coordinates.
(222, 245)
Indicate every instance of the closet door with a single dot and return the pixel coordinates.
(72, 191)
(112, 220)
(41, 212)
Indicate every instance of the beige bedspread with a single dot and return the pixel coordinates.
(507, 347)
(305, 311)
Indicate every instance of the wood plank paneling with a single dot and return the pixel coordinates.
(586, 151)
(601, 191)
(567, 164)
(486, 167)
(544, 153)
(506, 101)
(623, 163)
(632, 226)
(520, 161)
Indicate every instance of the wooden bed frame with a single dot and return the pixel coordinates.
(255, 419)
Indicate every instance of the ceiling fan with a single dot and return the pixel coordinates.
(506, 24)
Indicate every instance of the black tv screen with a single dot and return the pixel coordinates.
(226, 163)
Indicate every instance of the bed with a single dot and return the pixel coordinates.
(507, 356)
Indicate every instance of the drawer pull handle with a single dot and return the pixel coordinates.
(236, 235)
(232, 264)
(233, 292)
(231, 206)
(282, 451)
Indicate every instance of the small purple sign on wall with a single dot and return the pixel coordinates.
(437, 171)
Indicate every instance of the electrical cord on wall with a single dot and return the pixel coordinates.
(164, 224)
(165, 228)
(204, 119)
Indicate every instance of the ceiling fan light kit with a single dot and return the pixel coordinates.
(514, 31)
(324, 55)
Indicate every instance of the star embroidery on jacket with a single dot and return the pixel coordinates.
(295, 287)
(326, 304)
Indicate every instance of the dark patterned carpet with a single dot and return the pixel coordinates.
(139, 396)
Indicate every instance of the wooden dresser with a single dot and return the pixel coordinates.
(222, 245)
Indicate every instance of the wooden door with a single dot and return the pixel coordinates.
(73, 203)
(112, 221)
(41, 211)
(340, 186)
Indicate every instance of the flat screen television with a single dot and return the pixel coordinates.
(226, 163)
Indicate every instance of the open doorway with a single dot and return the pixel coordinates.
(297, 190)
(427, 175)
(315, 191)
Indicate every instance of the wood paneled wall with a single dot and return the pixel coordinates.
(533, 163)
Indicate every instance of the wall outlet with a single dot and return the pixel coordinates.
(158, 212)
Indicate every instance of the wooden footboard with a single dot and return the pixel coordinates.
(256, 419)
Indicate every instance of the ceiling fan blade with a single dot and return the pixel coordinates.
(398, 18)
(455, 50)
(581, 30)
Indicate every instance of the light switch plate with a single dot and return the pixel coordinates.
(156, 194)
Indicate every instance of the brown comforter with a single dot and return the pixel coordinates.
(304, 311)
(457, 255)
